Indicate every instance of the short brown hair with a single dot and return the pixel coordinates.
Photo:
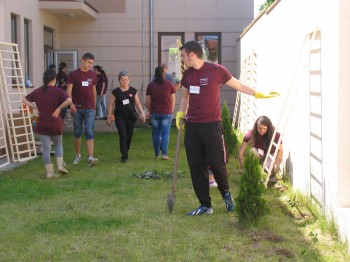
(87, 56)
(193, 46)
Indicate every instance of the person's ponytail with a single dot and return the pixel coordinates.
(49, 75)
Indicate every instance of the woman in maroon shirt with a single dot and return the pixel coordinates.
(49, 100)
(101, 88)
(259, 139)
(160, 102)
(61, 83)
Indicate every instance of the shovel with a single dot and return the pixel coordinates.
(171, 196)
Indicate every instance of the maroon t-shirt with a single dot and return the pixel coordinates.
(161, 97)
(83, 86)
(261, 141)
(204, 106)
(100, 79)
(61, 80)
(106, 84)
(47, 101)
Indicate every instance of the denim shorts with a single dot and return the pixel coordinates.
(84, 118)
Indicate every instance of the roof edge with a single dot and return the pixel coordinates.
(256, 19)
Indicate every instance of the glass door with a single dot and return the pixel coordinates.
(168, 51)
(67, 56)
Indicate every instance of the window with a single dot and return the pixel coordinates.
(168, 51)
(211, 44)
(70, 57)
(14, 40)
(14, 28)
(27, 52)
(48, 47)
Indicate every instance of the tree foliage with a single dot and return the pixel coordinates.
(251, 205)
(230, 137)
(266, 5)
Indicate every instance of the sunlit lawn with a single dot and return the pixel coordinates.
(105, 213)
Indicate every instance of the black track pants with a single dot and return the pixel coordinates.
(125, 128)
(204, 145)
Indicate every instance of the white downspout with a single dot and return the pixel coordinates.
(143, 55)
(151, 39)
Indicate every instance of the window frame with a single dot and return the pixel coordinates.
(27, 48)
(48, 49)
(181, 35)
(14, 28)
(197, 35)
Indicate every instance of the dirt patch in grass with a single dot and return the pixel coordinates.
(268, 236)
(283, 252)
(265, 235)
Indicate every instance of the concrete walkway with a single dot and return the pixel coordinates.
(100, 126)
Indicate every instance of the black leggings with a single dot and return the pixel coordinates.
(204, 143)
(125, 128)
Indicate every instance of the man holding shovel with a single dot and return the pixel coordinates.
(204, 141)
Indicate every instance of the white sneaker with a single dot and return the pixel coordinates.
(92, 161)
(212, 183)
(77, 159)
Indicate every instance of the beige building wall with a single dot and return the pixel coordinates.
(28, 10)
(122, 41)
(119, 32)
(284, 61)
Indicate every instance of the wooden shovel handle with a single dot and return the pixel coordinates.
(176, 158)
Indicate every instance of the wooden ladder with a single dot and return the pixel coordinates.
(245, 106)
(4, 153)
(317, 180)
(20, 138)
(301, 66)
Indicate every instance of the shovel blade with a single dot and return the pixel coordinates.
(171, 202)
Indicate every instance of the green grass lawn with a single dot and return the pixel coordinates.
(105, 213)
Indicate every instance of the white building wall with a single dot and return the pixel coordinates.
(344, 97)
(343, 141)
(278, 38)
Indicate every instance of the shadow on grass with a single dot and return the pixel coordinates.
(81, 223)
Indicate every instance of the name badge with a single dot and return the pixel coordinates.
(126, 101)
(194, 89)
(260, 152)
(84, 83)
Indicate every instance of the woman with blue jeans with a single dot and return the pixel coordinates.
(160, 102)
(161, 124)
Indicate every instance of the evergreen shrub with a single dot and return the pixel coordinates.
(250, 203)
(230, 136)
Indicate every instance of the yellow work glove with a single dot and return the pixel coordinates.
(269, 95)
(180, 115)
